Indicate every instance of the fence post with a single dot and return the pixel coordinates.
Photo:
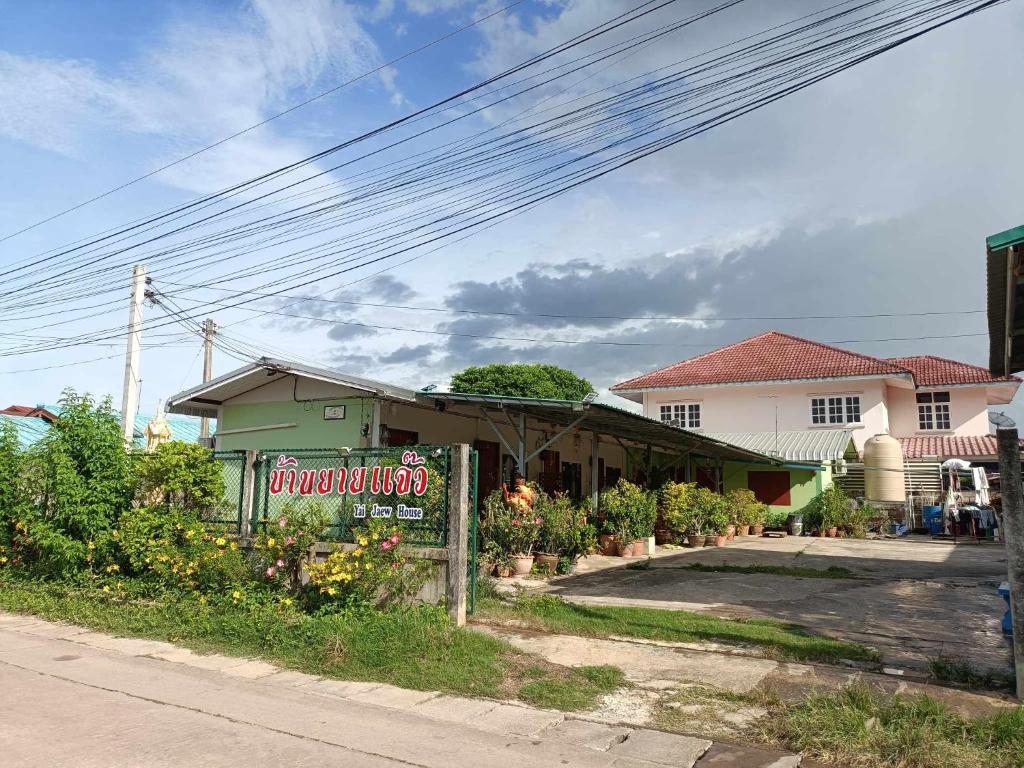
(458, 533)
(1012, 494)
(248, 493)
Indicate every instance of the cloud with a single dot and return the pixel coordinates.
(407, 354)
(206, 76)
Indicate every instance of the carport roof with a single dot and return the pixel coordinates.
(605, 420)
(817, 445)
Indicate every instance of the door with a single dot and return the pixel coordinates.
(707, 477)
(572, 479)
(488, 476)
(399, 437)
(551, 471)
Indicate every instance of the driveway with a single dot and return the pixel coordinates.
(912, 599)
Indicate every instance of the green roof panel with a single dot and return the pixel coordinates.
(1005, 239)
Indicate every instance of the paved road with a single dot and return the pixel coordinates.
(69, 697)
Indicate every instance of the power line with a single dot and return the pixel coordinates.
(270, 119)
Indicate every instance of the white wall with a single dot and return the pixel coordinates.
(968, 413)
(752, 408)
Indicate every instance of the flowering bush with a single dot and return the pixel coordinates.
(630, 511)
(172, 549)
(509, 528)
(564, 529)
(375, 574)
(280, 551)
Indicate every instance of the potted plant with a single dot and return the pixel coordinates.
(744, 509)
(720, 525)
(510, 526)
(834, 507)
(759, 514)
(680, 514)
(563, 531)
(631, 511)
(713, 512)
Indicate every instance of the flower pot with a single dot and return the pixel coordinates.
(639, 548)
(758, 529)
(695, 540)
(730, 532)
(720, 540)
(744, 530)
(606, 542)
(505, 572)
(832, 532)
(710, 540)
(521, 564)
(663, 536)
(820, 533)
(547, 561)
(623, 550)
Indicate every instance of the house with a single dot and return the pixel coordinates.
(1005, 301)
(777, 383)
(576, 447)
(32, 422)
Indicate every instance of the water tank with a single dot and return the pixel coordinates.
(883, 469)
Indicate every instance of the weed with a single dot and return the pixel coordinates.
(959, 672)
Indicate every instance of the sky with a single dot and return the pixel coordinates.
(870, 193)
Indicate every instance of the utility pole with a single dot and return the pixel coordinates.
(208, 330)
(1012, 493)
(130, 395)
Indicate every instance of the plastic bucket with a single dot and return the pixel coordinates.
(795, 524)
(931, 513)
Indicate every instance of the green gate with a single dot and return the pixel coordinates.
(228, 511)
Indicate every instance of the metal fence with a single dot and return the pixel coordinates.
(228, 511)
(407, 485)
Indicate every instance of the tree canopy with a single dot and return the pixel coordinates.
(522, 380)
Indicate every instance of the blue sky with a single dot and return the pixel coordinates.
(871, 192)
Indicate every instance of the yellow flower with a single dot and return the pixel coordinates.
(91, 545)
(220, 542)
(236, 595)
(189, 534)
(357, 552)
(287, 601)
(113, 568)
(106, 588)
(115, 535)
(234, 545)
(369, 566)
(332, 591)
(271, 542)
(363, 541)
(203, 600)
(3, 560)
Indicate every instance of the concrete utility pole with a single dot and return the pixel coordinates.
(130, 395)
(1012, 493)
(208, 330)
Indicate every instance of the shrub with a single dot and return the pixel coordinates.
(563, 529)
(509, 528)
(677, 508)
(180, 475)
(711, 511)
(746, 509)
(629, 510)
(172, 549)
(280, 551)
(375, 574)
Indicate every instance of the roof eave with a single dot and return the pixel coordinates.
(764, 382)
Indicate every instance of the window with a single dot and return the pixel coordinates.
(772, 488)
(835, 409)
(933, 410)
(682, 415)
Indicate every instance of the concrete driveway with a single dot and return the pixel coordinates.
(912, 599)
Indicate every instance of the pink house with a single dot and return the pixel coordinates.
(776, 382)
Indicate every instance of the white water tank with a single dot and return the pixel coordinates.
(883, 469)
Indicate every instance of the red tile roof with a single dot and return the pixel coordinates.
(772, 356)
(29, 410)
(931, 371)
(775, 356)
(949, 447)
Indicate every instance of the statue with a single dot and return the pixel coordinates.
(158, 430)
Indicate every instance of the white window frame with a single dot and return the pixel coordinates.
(687, 414)
(934, 415)
(831, 409)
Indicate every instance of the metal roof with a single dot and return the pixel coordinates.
(817, 445)
(1005, 302)
(605, 420)
(203, 399)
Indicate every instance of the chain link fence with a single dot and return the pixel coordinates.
(228, 511)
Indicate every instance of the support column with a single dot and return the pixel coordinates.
(248, 493)
(595, 464)
(458, 534)
(521, 460)
(130, 395)
(1012, 493)
(208, 331)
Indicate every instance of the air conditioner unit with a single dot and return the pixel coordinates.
(207, 442)
(839, 468)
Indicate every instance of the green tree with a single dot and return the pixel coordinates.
(181, 475)
(522, 380)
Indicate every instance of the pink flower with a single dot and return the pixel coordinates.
(515, 522)
(396, 538)
(536, 521)
(291, 540)
(282, 521)
(394, 566)
(386, 544)
(280, 563)
(271, 571)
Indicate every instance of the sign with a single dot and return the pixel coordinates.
(334, 412)
(411, 478)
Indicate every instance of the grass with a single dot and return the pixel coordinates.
(832, 572)
(963, 673)
(416, 648)
(864, 728)
(775, 639)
